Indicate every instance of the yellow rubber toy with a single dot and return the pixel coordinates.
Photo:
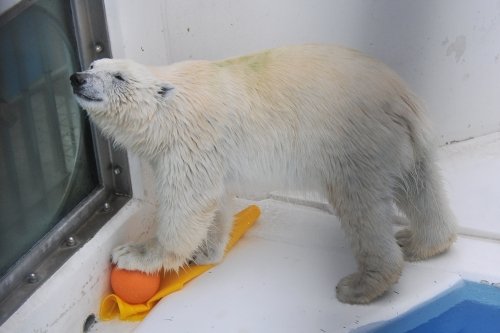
(112, 305)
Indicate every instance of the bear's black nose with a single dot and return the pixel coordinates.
(78, 79)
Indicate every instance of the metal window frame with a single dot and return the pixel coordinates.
(112, 193)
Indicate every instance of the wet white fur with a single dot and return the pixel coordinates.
(312, 117)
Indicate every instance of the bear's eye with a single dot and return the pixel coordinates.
(119, 77)
(91, 66)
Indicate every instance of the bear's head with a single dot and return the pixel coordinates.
(125, 99)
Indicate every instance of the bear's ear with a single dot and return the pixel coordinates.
(166, 90)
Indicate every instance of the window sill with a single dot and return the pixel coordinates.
(64, 301)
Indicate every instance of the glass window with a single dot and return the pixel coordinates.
(46, 163)
(60, 180)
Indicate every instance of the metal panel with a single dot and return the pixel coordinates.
(83, 221)
(93, 43)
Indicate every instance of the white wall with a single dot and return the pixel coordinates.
(447, 50)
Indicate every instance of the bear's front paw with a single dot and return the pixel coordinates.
(148, 257)
(361, 288)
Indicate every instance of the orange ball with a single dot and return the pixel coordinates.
(134, 287)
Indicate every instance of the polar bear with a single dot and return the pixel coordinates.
(310, 117)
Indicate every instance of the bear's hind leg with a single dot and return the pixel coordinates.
(432, 227)
(366, 218)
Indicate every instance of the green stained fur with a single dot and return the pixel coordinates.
(254, 62)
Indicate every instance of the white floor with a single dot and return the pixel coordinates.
(281, 277)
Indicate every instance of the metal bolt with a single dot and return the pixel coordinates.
(70, 241)
(117, 170)
(32, 278)
(89, 322)
(107, 207)
(98, 48)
